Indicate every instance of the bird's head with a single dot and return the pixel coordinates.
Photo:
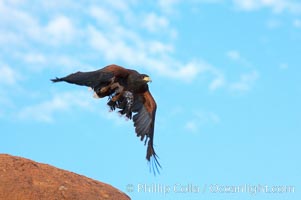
(138, 82)
(146, 78)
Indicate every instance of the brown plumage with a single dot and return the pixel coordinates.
(127, 91)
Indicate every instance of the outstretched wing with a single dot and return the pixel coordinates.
(142, 105)
(91, 79)
(144, 122)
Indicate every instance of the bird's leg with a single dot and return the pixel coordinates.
(106, 88)
(117, 96)
(116, 85)
(118, 91)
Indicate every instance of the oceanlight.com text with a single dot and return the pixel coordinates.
(251, 189)
(178, 188)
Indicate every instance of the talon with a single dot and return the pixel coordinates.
(104, 89)
(115, 98)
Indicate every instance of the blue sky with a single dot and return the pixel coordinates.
(225, 77)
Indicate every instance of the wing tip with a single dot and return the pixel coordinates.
(56, 79)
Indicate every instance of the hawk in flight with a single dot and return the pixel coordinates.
(128, 92)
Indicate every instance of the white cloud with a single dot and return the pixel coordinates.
(214, 117)
(245, 82)
(236, 56)
(121, 5)
(120, 42)
(217, 83)
(233, 55)
(68, 63)
(21, 27)
(9, 81)
(60, 30)
(13, 18)
(113, 48)
(156, 47)
(186, 72)
(192, 126)
(34, 58)
(199, 119)
(37, 62)
(46, 110)
(8, 76)
(297, 23)
(246, 4)
(155, 23)
(133, 50)
(9, 38)
(69, 102)
(283, 66)
(111, 38)
(6, 103)
(276, 5)
(14, 2)
(167, 6)
(159, 24)
(217, 78)
(273, 23)
(116, 34)
(220, 79)
(206, 117)
(104, 16)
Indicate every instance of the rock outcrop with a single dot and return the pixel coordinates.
(23, 179)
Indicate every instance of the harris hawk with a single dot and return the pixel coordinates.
(127, 90)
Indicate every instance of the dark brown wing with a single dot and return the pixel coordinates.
(91, 79)
(143, 105)
(144, 122)
(98, 79)
(118, 71)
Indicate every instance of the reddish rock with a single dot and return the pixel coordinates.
(23, 179)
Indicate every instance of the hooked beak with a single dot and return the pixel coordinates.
(147, 79)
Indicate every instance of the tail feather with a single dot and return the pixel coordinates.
(152, 157)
